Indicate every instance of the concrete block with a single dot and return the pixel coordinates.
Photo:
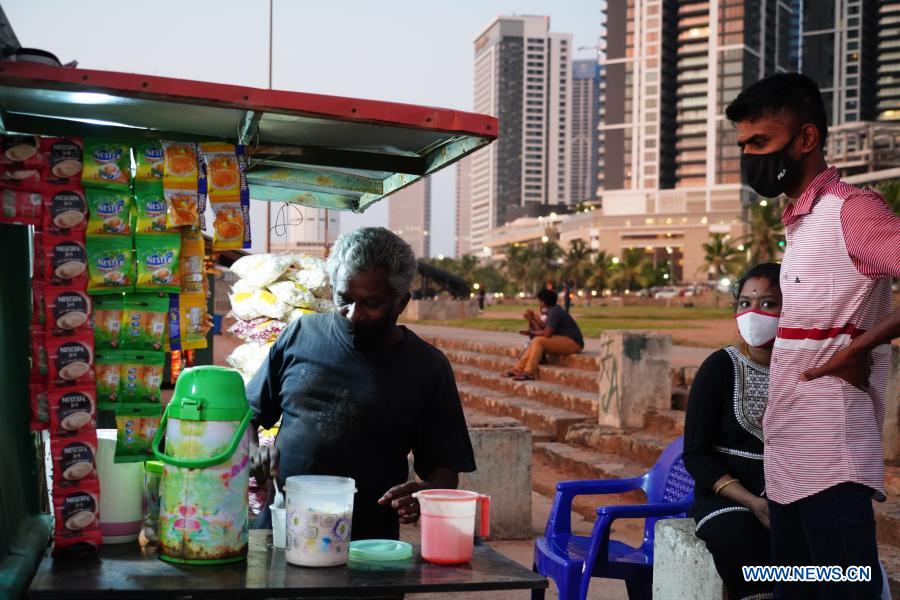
(892, 408)
(634, 377)
(682, 566)
(503, 456)
(442, 309)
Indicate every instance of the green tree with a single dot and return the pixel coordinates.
(890, 191)
(631, 272)
(599, 271)
(544, 265)
(722, 257)
(577, 262)
(515, 266)
(766, 236)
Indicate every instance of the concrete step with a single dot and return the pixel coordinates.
(892, 479)
(889, 555)
(577, 378)
(667, 422)
(586, 361)
(545, 422)
(551, 394)
(641, 446)
(581, 463)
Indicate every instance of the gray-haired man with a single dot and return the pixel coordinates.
(356, 393)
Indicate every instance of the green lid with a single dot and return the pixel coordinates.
(380, 550)
(209, 393)
(153, 466)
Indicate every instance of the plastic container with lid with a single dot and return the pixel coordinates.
(319, 519)
(121, 490)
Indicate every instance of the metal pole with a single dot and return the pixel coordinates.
(269, 204)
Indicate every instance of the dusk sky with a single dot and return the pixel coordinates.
(415, 51)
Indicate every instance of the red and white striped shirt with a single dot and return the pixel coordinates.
(843, 246)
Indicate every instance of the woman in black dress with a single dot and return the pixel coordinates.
(723, 438)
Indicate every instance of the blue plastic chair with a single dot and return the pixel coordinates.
(572, 560)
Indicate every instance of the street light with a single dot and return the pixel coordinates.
(477, 286)
(615, 260)
(545, 239)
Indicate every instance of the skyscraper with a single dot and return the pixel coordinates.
(464, 206)
(671, 166)
(409, 216)
(523, 77)
(585, 140)
(888, 61)
(840, 52)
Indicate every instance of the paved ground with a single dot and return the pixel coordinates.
(682, 356)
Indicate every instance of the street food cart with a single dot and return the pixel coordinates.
(308, 149)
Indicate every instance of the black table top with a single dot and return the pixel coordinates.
(127, 570)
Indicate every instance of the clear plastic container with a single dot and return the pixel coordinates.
(319, 519)
(448, 524)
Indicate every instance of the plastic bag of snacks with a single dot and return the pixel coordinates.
(192, 321)
(22, 161)
(228, 194)
(248, 358)
(106, 164)
(260, 269)
(150, 207)
(71, 410)
(261, 303)
(158, 264)
(63, 157)
(107, 369)
(292, 293)
(67, 310)
(110, 211)
(299, 312)
(193, 273)
(180, 184)
(258, 330)
(65, 210)
(140, 376)
(136, 425)
(110, 264)
(40, 410)
(77, 517)
(107, 320)
(74, 458)
(21, 206)
(314, 280)
(149, 157)
(70, 360)
(143, 324)
(65, 260)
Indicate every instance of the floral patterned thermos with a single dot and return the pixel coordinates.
(203, 517)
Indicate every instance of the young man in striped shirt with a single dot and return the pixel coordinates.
(822, 426)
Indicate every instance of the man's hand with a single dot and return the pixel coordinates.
(524, 332)
(760, 508)
(400, 499)
(851, 365)
(263, 462)
(528, 314)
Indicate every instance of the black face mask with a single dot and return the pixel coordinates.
(770, 174)
(371, 334)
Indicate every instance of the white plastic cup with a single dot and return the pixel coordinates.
(319, 518)
(279, 526)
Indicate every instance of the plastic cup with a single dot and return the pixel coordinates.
(279, 526)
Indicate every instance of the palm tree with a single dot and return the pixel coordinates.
(599, 271)
(766, 236)
(890, 191)
(630, 273)
(722, 257)
(576, 262)
(515, 267)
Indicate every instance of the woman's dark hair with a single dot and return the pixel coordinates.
(770, 271)
(548, 297)
(792, 94)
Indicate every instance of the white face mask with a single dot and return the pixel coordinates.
(757, 328)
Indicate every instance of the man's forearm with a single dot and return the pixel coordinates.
(882, 333)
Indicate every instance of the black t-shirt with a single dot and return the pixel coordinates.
(359, 414)
(562, 323)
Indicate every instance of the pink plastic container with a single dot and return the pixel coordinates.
(448, 524)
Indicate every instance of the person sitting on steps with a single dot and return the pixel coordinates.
(559, 335)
